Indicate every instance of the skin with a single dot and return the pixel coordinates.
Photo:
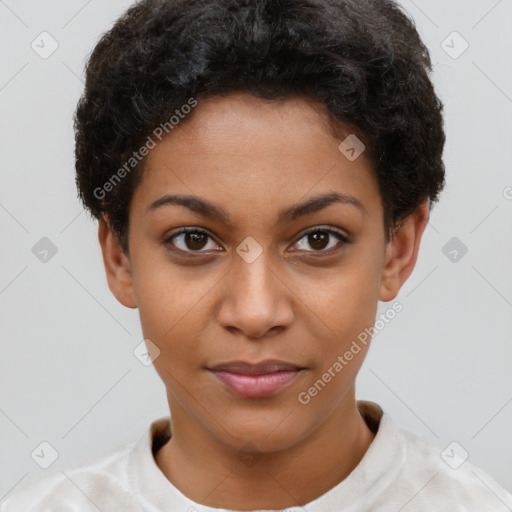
(254, 158)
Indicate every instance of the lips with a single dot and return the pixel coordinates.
(258, 380)
(264, 367)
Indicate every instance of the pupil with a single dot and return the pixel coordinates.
(194, 238)
(315, 239)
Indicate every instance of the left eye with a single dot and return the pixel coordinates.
(317, 238)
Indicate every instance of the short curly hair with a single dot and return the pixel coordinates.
(362, 61)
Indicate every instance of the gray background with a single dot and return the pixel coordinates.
(68, 375)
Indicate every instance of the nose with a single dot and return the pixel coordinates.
(255, 299)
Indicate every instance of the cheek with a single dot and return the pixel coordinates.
(168, 295)
(347, 304)
(347, 300)
(170, 308)
(176, 331)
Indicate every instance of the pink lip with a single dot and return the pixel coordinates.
(253, 385)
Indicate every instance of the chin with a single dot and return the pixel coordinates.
(261, 437)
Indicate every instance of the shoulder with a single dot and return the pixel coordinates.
(441, 477)
(80, 486)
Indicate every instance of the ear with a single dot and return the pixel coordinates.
(117, 266)
(402, 253)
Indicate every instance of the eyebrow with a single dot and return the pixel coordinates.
(212, 211)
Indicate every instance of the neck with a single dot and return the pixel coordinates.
(216, 475)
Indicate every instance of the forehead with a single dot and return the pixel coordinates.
(242, 150)
(239, 118)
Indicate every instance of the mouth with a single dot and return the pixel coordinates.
(262, 379)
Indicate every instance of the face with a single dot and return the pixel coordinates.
(261, 277)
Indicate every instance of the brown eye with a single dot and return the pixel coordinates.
(189, 240)
(319, 239)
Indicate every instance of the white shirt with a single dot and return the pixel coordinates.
(399, 472)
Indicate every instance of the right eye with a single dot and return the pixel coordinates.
(190, 239)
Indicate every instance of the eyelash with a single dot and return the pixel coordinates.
(342, 238)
